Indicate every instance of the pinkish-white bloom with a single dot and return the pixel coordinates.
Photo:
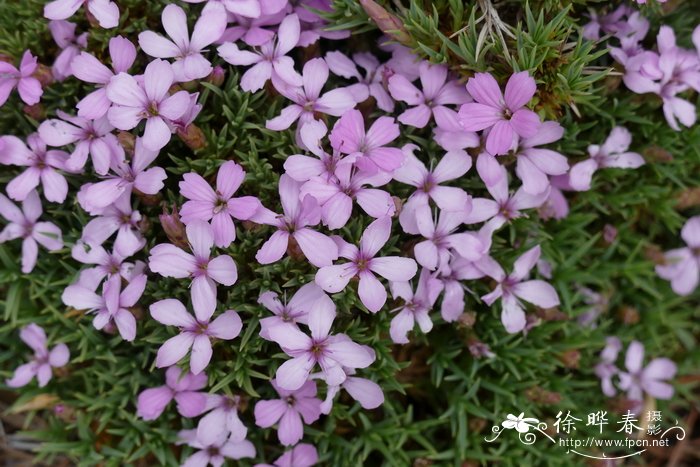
(374, 82)
(291, 312)
(44, 359)
(105, 11)
(63, 34)
(682, 265)
(29, 88)
(416, 307)
(288, 412)
(184, 388)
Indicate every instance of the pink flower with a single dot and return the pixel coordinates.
(435, 251)
(302, 455)
(368, 393)
(432, 101)
(332, 352)
(118, 217)
(606, 369)
(214, 453)
(42, 167)
(23, 224)
(303, 168)
(105, 11)
(373, 83)
(63, 34)
(292, 312)
(40, 366)
(170, 261)
(306, 98)
(682, 265)
(87, 68)
(247, 8)
(459, 270)
(111, 306)
(29, 88)
(535, 164)
(218, 206)
(94, 197)
(364, 264)
(135, 101)
(270, 60)
(222, 421)
(452, 166)
(613, 153)
(336, 195)
(91, 137)
(513, 287)
(252, 31)
(189, 64)
(416, 307)
(367, 148)
(651, 379)
(106, 264)
(298, 216)
(507, 117)
(195, 334)
(183, 388)
(288, 411)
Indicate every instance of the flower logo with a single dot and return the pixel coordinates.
(520, 423)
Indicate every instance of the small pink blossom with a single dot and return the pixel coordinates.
(682, 265)
(183, 388)
(216, 452)
(288, 412)
(29, 88)
(292, 312)
(118, 217)
(63, 34)
(638, 379)
(364, 264)
(374, 82)
(222, 420)
(534, 164)
(43, 361)
(416, 306)
(105, 11)
(301, 455)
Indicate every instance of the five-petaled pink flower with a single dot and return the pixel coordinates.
(295, 224)
(332, 352)
(514, 287)
(290, 313)
(205, 271)
(105, 11)
(364, 264)
(189, 64)
(40, 366)
(270, 60)
(147, 99)
(416, 306)
(288, 412)
(682, 265)
(506, 115)
(195, 332)
(29, 88)
(184, 388)
(219, 206)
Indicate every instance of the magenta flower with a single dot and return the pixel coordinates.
(306, 98)
(110, 307)
(364, 264)
(87, 68)
(118, 217)
(374, 81)
(506, 116)
(303, 168)
(105, 11)
(42, 167)
(452, 166)
(195, 333)
(148, 99)
(222, 421)
(40, 366)
(336, 195)
(29, 88)
(189, 64)
(170, 261)
(94, 197)
(298, 216)
(416, 306)
(535, 164)
(613, 153)
(367, 148)
(435, 251)
(63, 34)
(432, 101)
(218, 206)
(682, 265)
(332, 352)
(91, 137)
(651, 379)
(514, 287)
(23, 224)
(606, 369)
(270, 60)
(301, 455)
(183, 388)
(288, 411)
(214, 453)
(292, 312)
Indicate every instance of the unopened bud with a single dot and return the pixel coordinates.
(628, 315)
(541, 396)
(192, 136)
(609, 233)
(570, 358)
(387, 22)
(217, 76)
(44, 74)
(36, 111)
(127, 141)
(174, 228)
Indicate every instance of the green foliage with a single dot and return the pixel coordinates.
(440, 399)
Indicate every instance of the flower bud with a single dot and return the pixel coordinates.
(192, 136)
(217, 76)
(174, 228)
(44, 74)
